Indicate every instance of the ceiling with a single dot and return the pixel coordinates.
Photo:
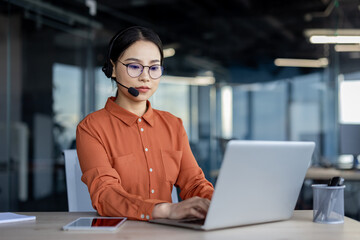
(230, 32)
(218, 34)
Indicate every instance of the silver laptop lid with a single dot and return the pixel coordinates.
(259, 181)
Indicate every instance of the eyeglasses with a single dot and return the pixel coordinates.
(136, 69)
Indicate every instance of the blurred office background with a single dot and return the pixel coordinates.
(229, 74)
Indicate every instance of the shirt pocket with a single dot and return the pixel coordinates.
(171, 160)
(127, 170)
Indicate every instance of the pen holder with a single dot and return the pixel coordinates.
(328, 204)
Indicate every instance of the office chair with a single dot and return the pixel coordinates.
(78, 194)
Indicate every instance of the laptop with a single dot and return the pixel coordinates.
(259, 182)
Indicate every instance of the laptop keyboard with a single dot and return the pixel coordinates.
(194, 221)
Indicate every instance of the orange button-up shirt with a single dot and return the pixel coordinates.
(131, 163)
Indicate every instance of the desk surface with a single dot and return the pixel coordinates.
(318, 173)
(48, 226)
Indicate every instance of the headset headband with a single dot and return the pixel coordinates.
(108, 68)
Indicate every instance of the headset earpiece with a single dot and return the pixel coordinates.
(107, 69)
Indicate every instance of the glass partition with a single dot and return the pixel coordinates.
(44, 93)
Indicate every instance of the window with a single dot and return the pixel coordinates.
(349, 99)
(174, 98)
(66, 102)
(104, 88)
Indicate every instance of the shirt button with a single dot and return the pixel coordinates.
(152, 190)
(142, 129)
(147, 217)
(142, 216)
(146, 149)
(150, 169)
(139, 120)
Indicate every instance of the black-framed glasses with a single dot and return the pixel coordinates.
(136, 69)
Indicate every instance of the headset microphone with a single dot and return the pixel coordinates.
(131, 90)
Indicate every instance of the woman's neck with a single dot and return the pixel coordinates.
(138, 108)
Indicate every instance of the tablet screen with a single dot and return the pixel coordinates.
(100, 223)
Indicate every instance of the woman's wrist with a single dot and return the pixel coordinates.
(161, 210)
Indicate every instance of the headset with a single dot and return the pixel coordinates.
(108, 67)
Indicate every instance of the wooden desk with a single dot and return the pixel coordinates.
(317, 173)
(48, 226)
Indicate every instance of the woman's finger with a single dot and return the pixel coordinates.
(196, 213)
(193, 207)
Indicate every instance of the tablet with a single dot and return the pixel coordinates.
(96, 223)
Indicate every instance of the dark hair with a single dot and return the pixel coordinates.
(125, 38)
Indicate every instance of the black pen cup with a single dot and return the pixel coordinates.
(328, 204)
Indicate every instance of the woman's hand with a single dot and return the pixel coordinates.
(193, 207)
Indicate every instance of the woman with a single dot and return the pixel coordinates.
(130, 154)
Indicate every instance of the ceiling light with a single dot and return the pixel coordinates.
(323, 39)
(291, 62)
(332, 32)
(169, 52)
(333, 36)
(347, 48)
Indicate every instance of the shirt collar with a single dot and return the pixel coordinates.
(126, 116)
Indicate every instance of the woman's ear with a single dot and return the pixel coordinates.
(113, 74)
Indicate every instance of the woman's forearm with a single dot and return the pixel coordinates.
(161, 210)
